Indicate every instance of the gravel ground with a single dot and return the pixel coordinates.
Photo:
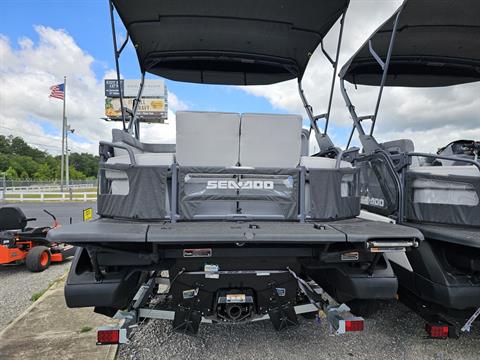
(17, 284)
(393, 333)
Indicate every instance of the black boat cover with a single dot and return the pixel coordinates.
(437, 44)
(245, 42)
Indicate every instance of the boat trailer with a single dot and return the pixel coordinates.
(147, 305)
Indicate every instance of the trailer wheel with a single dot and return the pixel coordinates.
(38, 259)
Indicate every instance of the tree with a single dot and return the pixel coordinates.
(76, 175)
(4, 145)
(18, 157)
(11, 174)
(44, 172)
(19, 147)
(86, 163)
(4, 162)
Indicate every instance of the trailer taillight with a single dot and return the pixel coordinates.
(437, 331)
(353, 325)
(110, 336)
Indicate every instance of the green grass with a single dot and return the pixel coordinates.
(38, 295)
(85, 329)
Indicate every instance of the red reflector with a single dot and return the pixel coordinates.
(354, 325)
(108, 336)
(437, 331)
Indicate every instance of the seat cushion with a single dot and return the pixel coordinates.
(314, 162)
(207, 138)
(145, 159)
(270, 140)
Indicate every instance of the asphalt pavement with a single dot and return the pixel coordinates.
(64, 212)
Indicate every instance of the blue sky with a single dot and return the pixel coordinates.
(87, 21)
(404, 113)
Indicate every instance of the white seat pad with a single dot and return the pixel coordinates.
(464, 170)
(315, 162)
(145, 159)
(270, 140)
(207, 138)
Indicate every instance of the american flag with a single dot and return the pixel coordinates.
(57, 91)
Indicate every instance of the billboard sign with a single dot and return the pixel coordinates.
(151, 88)
(152, 110)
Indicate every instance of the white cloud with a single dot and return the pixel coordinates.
(429, 116)
(26, 73)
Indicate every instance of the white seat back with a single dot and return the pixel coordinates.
(270, 140)
(207, 138)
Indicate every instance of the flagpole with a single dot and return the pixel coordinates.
(62, 165)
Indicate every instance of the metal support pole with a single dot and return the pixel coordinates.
(302, 194)
(369, 143)
(351, 137)
(64, 123)
(351, 109)
(134, 122)
(385, 70)
(323, 141)
(117, 64)
(335, 66)
(173, 200)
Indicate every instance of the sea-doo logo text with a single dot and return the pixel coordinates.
(233, 184)
(366, 200)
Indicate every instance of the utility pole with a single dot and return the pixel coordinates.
(4, 186)
(68, 130)
(64, 125)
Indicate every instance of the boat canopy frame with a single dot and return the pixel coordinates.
(324, 142)
(399, 163)
(418, 61)
(368, 141)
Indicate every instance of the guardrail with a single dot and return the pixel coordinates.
(50, 196)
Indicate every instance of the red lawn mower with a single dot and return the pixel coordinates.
(19, 243)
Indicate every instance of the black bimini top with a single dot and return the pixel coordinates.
(246, 42)
(437, 44)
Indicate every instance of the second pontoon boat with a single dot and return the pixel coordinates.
(426, 44)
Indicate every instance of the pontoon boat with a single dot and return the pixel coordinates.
(242, 221)
(425, 44)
